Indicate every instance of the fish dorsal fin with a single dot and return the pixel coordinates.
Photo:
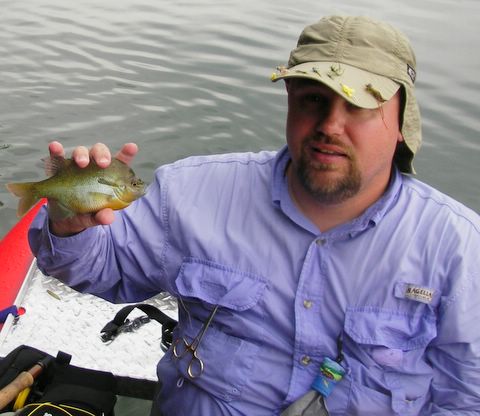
(54, 164)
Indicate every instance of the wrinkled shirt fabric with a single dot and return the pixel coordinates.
(400, 285)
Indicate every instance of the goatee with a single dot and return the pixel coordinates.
(315, 178)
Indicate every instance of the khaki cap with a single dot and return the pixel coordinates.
(366, 62)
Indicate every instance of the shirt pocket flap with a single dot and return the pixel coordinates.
(219, 285)
(392, 329)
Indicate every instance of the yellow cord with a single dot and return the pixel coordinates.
(21, 399)
(81, 410)
(61, 407)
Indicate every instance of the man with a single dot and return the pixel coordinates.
(325, 249)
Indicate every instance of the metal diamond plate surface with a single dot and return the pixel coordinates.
(58, 318)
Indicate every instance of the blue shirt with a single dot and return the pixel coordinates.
(400, 284)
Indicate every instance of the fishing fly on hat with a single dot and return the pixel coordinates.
(366, 62)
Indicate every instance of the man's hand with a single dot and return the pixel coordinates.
(82, 155)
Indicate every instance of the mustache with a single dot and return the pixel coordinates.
(328, 140)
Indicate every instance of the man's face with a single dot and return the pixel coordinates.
(339, 150)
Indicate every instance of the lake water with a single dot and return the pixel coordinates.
(193, 77)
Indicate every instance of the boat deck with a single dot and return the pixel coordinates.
(57, 318)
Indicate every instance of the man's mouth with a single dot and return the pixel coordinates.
(328, 152)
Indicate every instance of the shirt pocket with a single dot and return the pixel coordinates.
(227, 349)
(385, 353)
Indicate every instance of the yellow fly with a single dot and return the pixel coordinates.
(349, 92)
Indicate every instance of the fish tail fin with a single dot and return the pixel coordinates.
(26, 193)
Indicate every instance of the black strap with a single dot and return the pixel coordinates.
(112, 329)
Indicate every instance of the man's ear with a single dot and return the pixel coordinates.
(400, 137)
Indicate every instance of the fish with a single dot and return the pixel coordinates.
(71, 190)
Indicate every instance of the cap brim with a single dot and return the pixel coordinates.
(361, 88)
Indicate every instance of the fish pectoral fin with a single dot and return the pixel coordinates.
(105, 181)
(57, 211)
(100, 197)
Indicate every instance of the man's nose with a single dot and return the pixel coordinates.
(333, 119)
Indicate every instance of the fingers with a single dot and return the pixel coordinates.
(101, 154)
(56, 149)
(104, 217)
(81, 156)
(74, 225)
(127, 153)
(98, 152)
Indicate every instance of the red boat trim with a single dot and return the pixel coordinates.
(15, 258)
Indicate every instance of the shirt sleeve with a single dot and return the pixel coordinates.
(120, 263)
(455, 353)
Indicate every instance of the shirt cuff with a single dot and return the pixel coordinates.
(40, 237)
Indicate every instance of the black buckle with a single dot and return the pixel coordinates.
(112, 330)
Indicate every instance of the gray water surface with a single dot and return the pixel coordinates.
(192, 77)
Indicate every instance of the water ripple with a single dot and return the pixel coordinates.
(192, 76)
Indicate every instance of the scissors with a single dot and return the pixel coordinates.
(182, 347)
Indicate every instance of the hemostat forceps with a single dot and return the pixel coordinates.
(182, 347)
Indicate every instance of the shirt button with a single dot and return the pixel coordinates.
(321, 241)
(305, 360)
(307, 304)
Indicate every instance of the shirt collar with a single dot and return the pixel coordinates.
(371, 217)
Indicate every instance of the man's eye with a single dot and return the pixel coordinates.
(315, 99)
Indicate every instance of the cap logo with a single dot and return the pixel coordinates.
(411, 73)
